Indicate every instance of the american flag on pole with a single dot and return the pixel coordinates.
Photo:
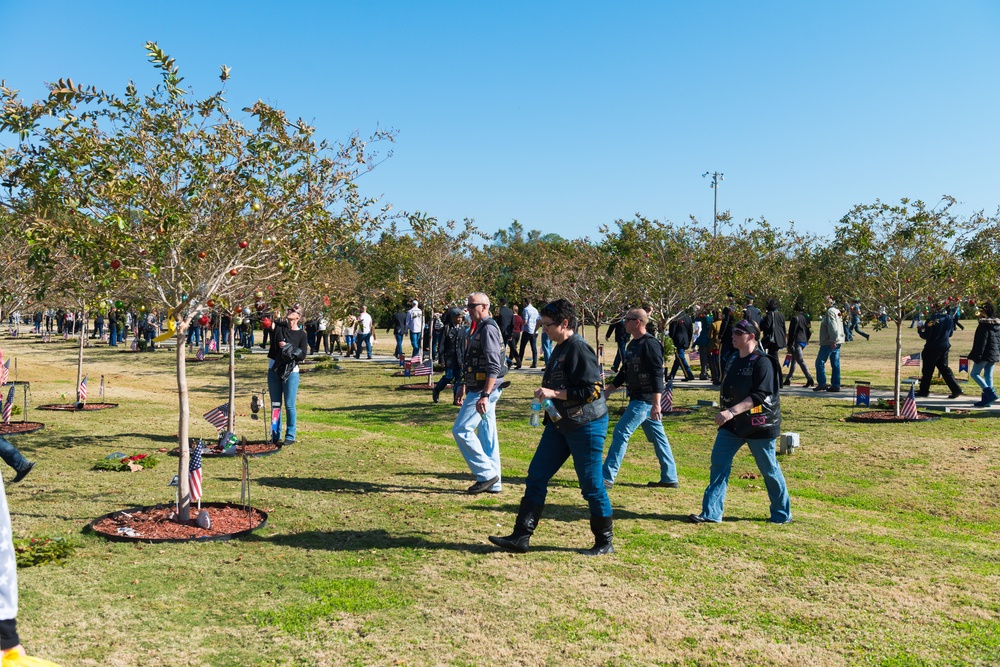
(912, 359)
(667, 400)
(8, 406)
(694, 356)
(909, 408)
(81, 391)
(194, 472)
(218, 417)
(423, 369)
(135, 344)
(4, 371)
(200, 354)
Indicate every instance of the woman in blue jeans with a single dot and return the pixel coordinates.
(288, 348)
(751, 414)
(985, 353)
(575, 425)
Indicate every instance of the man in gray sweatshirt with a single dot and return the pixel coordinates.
(831, 337)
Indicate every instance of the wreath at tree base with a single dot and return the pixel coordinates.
(888, 417)
(77, 407)
(156, 524)
(20, 428)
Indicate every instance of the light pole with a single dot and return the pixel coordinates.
(716, 178)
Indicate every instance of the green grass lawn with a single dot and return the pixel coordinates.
(373, 554)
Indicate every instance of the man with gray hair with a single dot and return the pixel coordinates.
(475, 428)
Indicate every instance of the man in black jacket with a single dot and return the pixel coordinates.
(622, 337)
(398, 328)
(505, 318)
(936, 331)
(680, 330)
(752, 312)
(799, 334)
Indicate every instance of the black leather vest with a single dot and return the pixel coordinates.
(476, 360)
(638, 376)
(763, 420)
(575, 413)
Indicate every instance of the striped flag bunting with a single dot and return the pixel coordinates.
(912, 359)
(218, 417)
(909, 408)
(8, 406)
(81, 391)
(4, 371)
(667, 399)
(194, 471)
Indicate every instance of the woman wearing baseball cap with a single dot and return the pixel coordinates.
(751, 415)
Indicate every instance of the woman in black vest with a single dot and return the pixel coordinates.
(576, 425)
(751, 414)
(288, 348)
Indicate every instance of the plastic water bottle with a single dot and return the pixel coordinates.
(536, 412)
(550, 408)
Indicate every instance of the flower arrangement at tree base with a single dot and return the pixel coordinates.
(119, 462)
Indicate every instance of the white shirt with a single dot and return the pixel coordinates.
(415, 320)
(364, 323)
(530, 316)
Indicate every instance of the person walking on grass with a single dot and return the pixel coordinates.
(985, 352)
(576, 423)
(287, 350)
(936, 332)
(831, 339)
(642, 371)
(799, 333)
(750, 415)
(475, 428)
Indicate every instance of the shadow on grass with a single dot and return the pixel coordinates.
(366, 540)
(410, 412)
(350, 486)
(581, 512)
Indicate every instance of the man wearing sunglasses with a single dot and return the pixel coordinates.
(475, 428)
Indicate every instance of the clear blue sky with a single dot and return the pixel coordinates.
(569, 115)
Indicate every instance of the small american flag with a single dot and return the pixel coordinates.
(81, 391)
(8, 406)
(4, 371)
(694, 356)
(909, 409)
(194, 471)
(200, 354)
(912, 360)
(218, 417)
(423, 369)
(667, 400)
(135, 344)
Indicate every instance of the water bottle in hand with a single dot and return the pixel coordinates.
(550, 408)
(536, 412)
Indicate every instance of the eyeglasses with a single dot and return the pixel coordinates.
(474, 305)
(740, 333)
(546, 325)
(631, 319)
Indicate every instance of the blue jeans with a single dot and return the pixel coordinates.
(414, 342)
(284, 391)
(680, 361)
(11, 456)
(725, 448)
(833, 354)
(982, 374)
(113, 336)
(585, 445)
(636, 414)
(366, 340)
(546, 347)
(477, 439)
(399, 346)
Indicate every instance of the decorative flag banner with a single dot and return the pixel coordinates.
(912, 360)
(909, 408)
(963, 364)
(200, 354)
(8, 406)
(275, 421)
(135, 344)
(218, 417)
(194, 472)
(4, 372)
(81, 391)
(862, 393)
(694, 356)
(667, 400)
(423, 369)
(212, 347)
(788, 361)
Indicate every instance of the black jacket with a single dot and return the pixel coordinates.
(757, 376)
(680, 331)
(937, 332)
(642, 369)
(398, 324)
(505, 318)
(752, 313)
(573, 366)
(618, 330)
(772, 330)
(799, 330)
(986, 344)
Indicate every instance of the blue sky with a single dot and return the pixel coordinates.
(570, 115)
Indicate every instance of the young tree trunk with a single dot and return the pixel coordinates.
(183, 483)
(899, 349)
(231, 425)
(79, 363)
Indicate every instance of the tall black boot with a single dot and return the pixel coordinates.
(602, 527)
(527, 518)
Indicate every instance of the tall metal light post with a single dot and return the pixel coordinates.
(716, 178)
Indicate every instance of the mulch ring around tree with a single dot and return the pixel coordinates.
(254, 448)
(208, 357)
(416, 387)
(20, 428)
(156, 524)
(76, 407)
(888, 417)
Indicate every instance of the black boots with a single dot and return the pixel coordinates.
(524, 526)
(602, 527)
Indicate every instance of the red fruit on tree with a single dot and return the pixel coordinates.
(266, 323)
(951, 280)
(115, 264)
(233, 272)
(202, 255)
(211, 303)
(243, 244)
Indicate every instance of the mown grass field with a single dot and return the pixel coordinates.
(374, 555)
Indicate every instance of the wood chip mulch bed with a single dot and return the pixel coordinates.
(208, 357)
(888, 417)
(20, 428)
(155, 524)
(73, 407)
(253, 448)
